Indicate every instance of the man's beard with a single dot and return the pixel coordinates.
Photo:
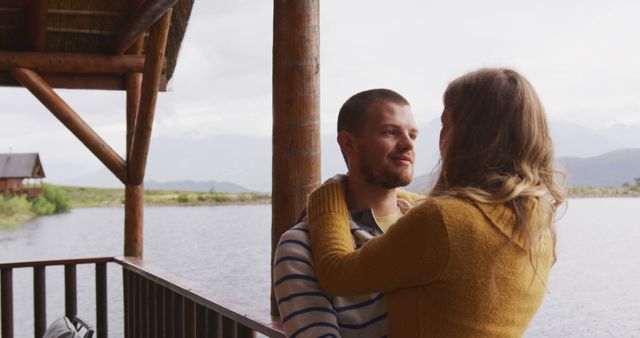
(384, 178)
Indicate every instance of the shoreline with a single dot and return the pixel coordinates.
(82, 197)
(610, 192)
(85, 197)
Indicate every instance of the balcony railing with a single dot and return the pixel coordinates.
(156, 303)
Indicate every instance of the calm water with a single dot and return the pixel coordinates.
(592, 290)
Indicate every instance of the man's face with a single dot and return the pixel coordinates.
(384, 153)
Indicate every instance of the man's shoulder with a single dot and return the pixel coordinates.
(297, 237)
(297, 231)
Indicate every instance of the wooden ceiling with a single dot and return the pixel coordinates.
(85, 44)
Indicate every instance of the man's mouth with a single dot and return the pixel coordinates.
(402, 160)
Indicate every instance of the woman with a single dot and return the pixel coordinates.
(472, 260)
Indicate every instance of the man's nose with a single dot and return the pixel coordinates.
(406, 142)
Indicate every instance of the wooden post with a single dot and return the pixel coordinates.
(133, 220)
(70, 291)
(139, 149)
(6, 302)
(101, 301)
(134, 194)
(296, 112)
(39, 301)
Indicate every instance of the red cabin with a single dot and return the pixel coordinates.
(15, 168)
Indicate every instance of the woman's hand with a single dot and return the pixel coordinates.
(338, 178)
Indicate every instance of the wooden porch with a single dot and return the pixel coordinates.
(133, 45)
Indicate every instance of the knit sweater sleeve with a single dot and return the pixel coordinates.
(413, 252)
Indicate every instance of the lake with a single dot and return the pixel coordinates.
(592, 290)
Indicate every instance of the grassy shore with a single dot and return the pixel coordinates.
(82, 197)
(591, 192)
(18, 210)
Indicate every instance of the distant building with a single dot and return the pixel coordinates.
(637, 181)
(15, 169)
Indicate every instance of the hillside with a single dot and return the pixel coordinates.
(611, 169)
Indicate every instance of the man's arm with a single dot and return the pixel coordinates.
(305, 310)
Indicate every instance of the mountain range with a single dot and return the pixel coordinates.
(201, 186)
(246, 160)
(611, 169)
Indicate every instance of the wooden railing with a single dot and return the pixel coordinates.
(156, 303)
(40, 297)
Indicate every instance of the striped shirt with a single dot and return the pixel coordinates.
(306, 311)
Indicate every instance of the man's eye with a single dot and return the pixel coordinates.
(390, 132)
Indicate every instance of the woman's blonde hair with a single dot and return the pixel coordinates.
(498, 149)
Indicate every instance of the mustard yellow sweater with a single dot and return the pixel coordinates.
(449, 268)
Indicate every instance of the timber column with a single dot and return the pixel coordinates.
(143, 93)
(296, 112)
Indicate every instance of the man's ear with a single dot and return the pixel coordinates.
(347, 143)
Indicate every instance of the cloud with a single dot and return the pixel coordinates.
(576, 53)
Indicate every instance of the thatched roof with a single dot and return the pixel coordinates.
(21, 166)
(81, 26)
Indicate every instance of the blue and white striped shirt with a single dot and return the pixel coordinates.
(306, 311)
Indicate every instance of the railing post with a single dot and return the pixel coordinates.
(169, 308)
(101, 300)
(201, 321)
(144, 309)
(189, 318)
(39, 301)
(152, 305)
(245, 332)
(6, 298)
(296, 112)
(229, 328)
(70, 291)
(159, 312)
(127, 292)
(178, 316)
(214, 324)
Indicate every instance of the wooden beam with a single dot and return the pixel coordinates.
(78, 81)
(72, 62)
(72, 121)
(149, 93)
(133, 83)
(145, 16)
(36, 24)
(296, 113)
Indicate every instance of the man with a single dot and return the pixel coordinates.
(376, 132)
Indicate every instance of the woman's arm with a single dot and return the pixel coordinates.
(413, 252)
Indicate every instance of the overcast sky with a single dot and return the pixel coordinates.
(581, 56)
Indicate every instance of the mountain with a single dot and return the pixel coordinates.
(609, 169)
(571, 139)
(246, 160)
(201, 186)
